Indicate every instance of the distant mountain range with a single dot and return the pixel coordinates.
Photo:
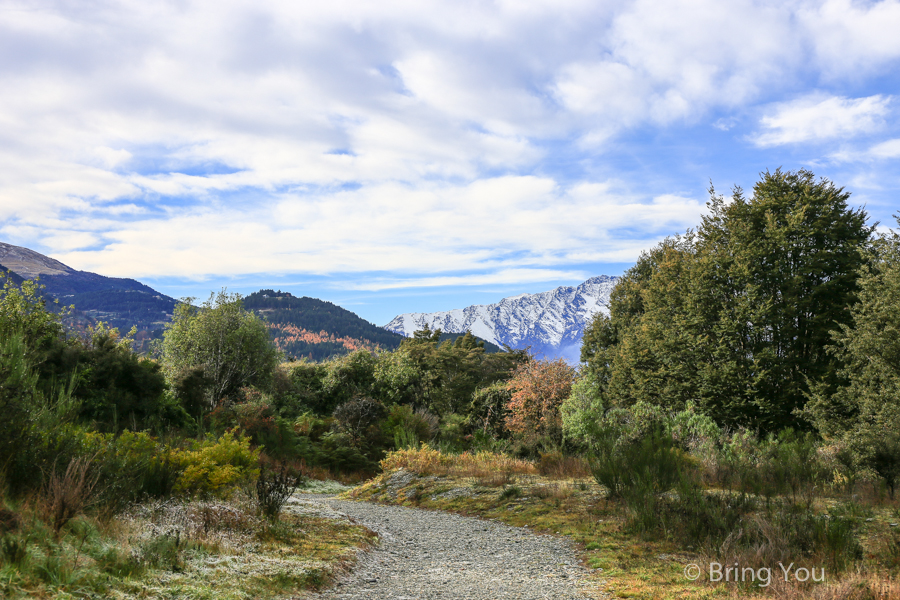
(551, 323)
(301, 327)
(318, 330)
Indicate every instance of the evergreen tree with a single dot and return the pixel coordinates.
(735, 317)
(864, 412)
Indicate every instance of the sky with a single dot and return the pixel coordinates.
(400, 156)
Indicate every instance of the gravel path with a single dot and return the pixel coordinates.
(431, 555)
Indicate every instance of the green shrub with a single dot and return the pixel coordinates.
(410, 427)
(13, 549)
(510, 492)
(487, 411)
(648, 465)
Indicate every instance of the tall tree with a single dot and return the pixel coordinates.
(735, 317)
(230, 344)
(865, 412)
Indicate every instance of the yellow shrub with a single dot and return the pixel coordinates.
(216, 468)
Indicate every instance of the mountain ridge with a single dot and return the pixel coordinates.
(316, 329)
(551, 323)
(120, 302)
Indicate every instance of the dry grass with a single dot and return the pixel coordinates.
(552, 490)
(485, 466)
(854, 587)
(66, 495)
(555, 465)
(499, 479)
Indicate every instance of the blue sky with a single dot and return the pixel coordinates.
(416, 156)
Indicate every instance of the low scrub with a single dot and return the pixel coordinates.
(275, 484)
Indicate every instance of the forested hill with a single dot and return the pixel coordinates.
(316, 329)
(120, 302)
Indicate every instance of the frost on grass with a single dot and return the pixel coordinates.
(212, 549)
(327, 486)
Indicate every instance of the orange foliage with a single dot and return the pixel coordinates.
(292, 333)
(538, 388)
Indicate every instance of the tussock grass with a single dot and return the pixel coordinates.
(488, 466)
(556, 465)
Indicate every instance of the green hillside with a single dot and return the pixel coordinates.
(315, 329)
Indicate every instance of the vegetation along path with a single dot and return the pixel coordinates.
(431, 555)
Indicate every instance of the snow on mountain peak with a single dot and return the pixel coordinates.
(551, 323)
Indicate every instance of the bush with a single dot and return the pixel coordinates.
(276, 483)
(118, 388)
(488, 411)
(409, 427)
(216, 468)
(636, 468)
(18, 395)
(358, 419)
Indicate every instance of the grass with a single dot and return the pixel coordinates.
(174, 549)
(481, 465)
(623, 563)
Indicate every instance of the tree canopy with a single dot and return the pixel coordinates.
(735, 316)
(231, 346)
(863, 411)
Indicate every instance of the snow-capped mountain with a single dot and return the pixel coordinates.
(552, 323)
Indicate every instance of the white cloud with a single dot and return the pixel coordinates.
(496, 224)
(207, 137)
(503, 276)
(816, 118)
(884, 150)
(852, 38)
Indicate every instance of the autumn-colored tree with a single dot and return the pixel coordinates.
(538, 388)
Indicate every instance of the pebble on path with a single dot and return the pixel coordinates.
(432, 555)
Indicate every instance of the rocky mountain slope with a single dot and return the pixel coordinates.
(552, 323)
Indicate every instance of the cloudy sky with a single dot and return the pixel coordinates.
(395, 156)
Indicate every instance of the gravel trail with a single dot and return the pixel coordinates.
(431, 555)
